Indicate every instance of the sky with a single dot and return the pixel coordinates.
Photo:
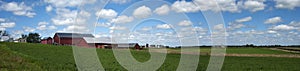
(161, 22)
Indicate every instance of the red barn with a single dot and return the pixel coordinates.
(48, 40)
(70, 38)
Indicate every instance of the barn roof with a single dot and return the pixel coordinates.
(74, 35)
(97, 40)
(108, 40)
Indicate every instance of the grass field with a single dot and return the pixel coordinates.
(24, 56)
(237, 50)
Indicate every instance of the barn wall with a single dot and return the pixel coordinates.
(49, 41)
(56, 39)
(44, 41)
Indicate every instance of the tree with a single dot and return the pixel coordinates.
(24, 36)
(33, 38)
(4, 33)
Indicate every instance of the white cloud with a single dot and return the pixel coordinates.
(254, 5)
(183, 6)
(69, 3)
(64, 16)
(142, 12)
(122, 19)
(272, 32)
(66, 21)
(18, 9)
(106, 13)
(8, 25)
(49, 8)
(43, 23)
(283, 27)
(2, 20)
(234, 26)
(76, 29)
(218, 5)
(146, 28)
(164, 26)
(117, 28)
(42, 26)
(1, 28)
(52, 27)
(120, 1)
(288, 4)
(246, 19)
(162, 10)
(28, 29)
(185, 23)
(18, 32)
(273, 20)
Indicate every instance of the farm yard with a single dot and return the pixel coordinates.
(36, 57)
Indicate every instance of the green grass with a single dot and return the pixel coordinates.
(60, 58)
(232, 50)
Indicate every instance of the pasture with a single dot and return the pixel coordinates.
(26, 56)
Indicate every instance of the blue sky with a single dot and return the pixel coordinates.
(165, 22)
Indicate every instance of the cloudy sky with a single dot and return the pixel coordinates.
(166, 22)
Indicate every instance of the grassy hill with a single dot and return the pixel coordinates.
(26, 56)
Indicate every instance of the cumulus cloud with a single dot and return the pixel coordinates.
(234, 26)
(164, 26)
(218, 5)
(246, 19)
(106, 13)
(45, 26)
(283, 27)
(8, 25)
(162, 10)
(120, 1)
(142, 12)
(28, 29)
(183, 6)
(117, 28)
(52, 27)
(64, 17)
(49, 8)
(2, 20)
(254, 5)
(273, 20)
(18, 9)
(122, 19)
(185, 23)
(69, 3)
(75, 29)
(288, 4)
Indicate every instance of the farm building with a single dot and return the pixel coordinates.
(22, 40)
(106, 43)
(88, 40)
(48, 40)
(69, 38)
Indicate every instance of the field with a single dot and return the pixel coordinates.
(25, 56)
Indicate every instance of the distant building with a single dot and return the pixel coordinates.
(106, 43)
(22, 40)
(88, 40)
(48, 40)
(69, 38)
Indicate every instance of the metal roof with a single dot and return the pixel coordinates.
(107, 40)
(97, 40)
(74, 35)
